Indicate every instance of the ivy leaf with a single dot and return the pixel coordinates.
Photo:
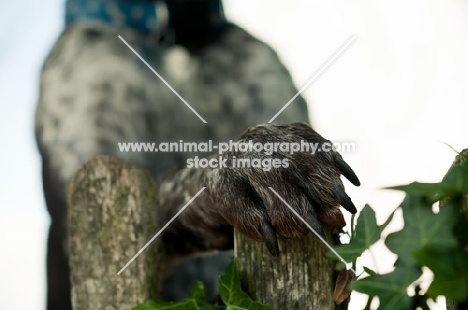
(369, 302)
(460, 204)
(198, 291)
(457, 179)
(195, 301)
(366, 234)
(230, 291)
(450, 272)
(232, 294)
(390, 288)
(455, 182)
(369, 271)
(422, 228)
(433, 191)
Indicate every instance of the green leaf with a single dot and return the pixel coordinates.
(369, 271)
(229, 289)
(432, 191)
(197, 291)
(232, 294)
(450, 272)
(455, 182)
(457, 179)
(369, 302)
(195, 301)
(366, 234)
(459, 203)
(390, 288)
(422, 229)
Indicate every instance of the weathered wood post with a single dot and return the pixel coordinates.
(300, 278)
(112, 215)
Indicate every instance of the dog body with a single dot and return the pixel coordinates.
(96, 93)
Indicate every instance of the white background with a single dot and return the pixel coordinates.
(399, 92)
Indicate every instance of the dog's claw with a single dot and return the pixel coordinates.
(344, 200)
(269, 236)
(312, 220)
(346, 171)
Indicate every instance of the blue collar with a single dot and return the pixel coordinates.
(143, 15)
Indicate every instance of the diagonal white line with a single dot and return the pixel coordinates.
(160, 231)
(313, 78)
(315, 233)
(163, 80)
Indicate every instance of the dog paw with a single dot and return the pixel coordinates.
(257, 189)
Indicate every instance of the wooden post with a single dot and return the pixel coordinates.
(300, 278)
(112, 215)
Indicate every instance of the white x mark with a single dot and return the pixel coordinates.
(313, 78)
(348, 265)
(163, 80)
(160, 231)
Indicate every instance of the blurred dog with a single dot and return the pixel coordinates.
(95, 93)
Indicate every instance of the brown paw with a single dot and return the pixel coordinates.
(309, 183)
